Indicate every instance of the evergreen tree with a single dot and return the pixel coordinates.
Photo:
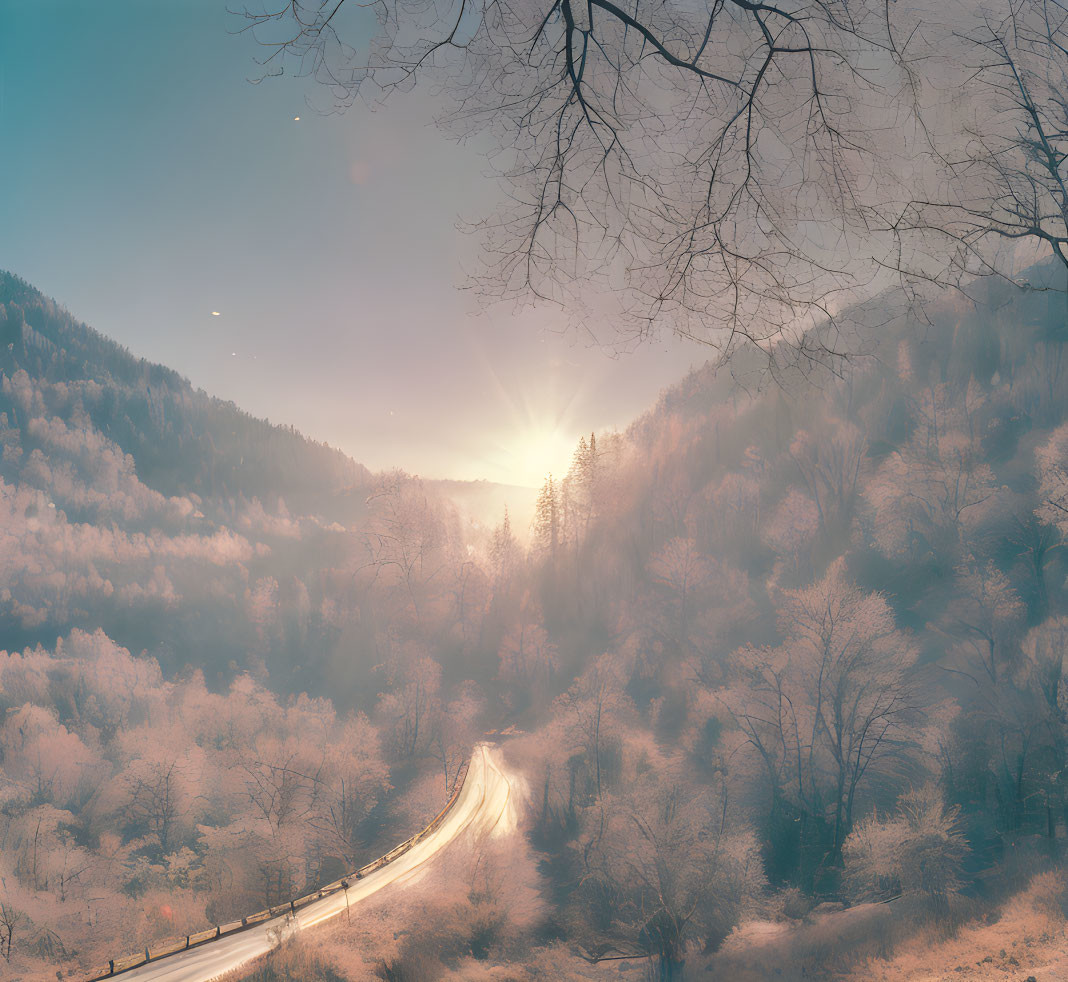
(503, 551)
(547, 519)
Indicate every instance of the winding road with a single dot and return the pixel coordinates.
(484, 806)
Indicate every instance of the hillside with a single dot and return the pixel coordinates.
(133, 503)
(918, 492)
(183, 440)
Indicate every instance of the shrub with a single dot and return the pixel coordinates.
(918, 852)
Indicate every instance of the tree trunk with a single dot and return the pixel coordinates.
(670, 968)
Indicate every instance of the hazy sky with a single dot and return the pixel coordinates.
(144, 183)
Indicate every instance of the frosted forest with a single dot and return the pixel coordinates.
(766, 681)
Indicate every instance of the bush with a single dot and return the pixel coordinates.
(919, 852)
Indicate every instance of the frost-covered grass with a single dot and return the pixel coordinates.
(1026, 937)
(821, 945)
(295, 962)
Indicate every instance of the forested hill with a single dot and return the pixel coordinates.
(933, 457)
(183, 440)
(895, 531)
(133, 503)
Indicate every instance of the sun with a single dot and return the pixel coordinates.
(530, 419)
(541, 451)
(528, 455)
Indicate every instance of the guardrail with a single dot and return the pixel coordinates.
(173, 946)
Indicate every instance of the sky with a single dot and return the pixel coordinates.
(310, 269)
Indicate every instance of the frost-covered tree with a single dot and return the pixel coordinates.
(987, 614)
(663, 872)
(1052, 460)
(831, 706)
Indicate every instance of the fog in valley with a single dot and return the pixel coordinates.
(759, 678)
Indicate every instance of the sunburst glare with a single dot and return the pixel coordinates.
(533, 427)
(533, 451)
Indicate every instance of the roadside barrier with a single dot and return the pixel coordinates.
(172, 946)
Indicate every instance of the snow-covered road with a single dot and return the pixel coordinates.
(485, 805)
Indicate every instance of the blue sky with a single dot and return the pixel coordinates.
(145, 183)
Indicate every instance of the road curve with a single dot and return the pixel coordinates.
(484, 806)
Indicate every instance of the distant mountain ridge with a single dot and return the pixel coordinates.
(183, 440)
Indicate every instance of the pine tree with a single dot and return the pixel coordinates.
(547, 519)
(580, 488)
(503, 550)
